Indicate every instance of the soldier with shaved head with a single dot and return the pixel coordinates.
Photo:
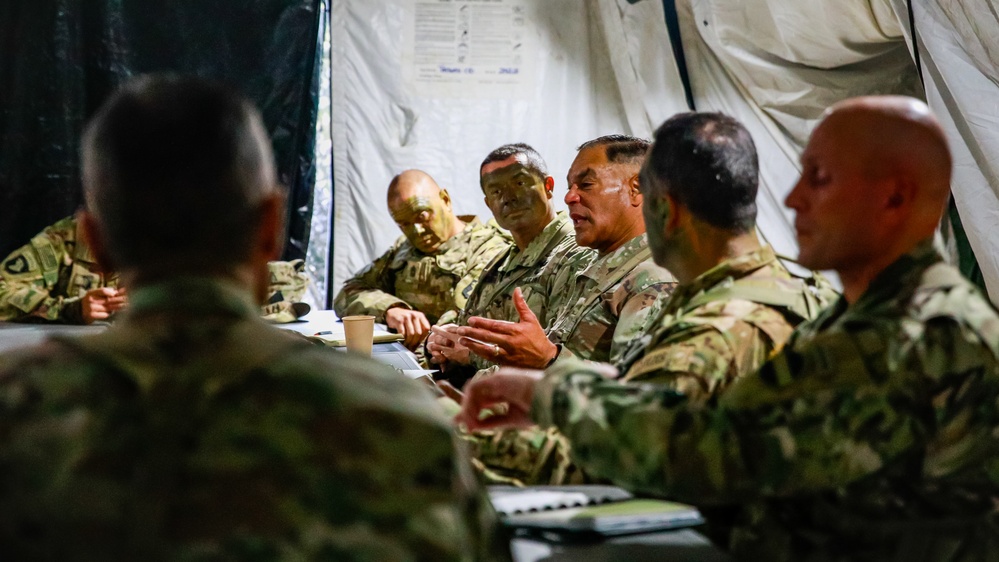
(431, 269)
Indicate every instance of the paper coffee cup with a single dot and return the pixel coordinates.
(359, 331)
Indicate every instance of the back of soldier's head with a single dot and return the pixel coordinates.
(708, 163)
(174, 169)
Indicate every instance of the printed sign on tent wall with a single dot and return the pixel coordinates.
(470, 49)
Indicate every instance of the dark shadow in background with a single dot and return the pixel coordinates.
(62, 58)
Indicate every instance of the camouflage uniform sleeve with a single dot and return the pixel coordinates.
(370, 291)
(633, 302)
(702, 355)
(781, 431)
(27, 280)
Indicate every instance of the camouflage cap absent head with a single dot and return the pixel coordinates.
(288, 283)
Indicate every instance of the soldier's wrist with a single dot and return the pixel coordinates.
(554, 356)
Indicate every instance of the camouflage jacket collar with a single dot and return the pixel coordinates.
(539, 249)
(891, 289)
(606, 264)
(734, 268)
(197, 295)
(458, 240)
(453, 253)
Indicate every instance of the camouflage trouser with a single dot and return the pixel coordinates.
(524, 457)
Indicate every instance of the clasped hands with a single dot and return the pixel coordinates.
(517, 344)
(101, 303)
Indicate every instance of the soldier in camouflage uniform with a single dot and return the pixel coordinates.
(736, 305)
(518, 190)
(55, 278)
(872, 435)
(192, 430)
(607, 304)
(431, 269)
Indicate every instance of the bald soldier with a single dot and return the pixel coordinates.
(430, 269)
(871, 436)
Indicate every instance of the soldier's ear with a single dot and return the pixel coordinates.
(634, 191)
(446, 198)
(549, 186)
(672, 213)
(94, 238)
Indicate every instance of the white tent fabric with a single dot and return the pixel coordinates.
(776, 65)
(594, 59)
(605, 66)
(959, 52)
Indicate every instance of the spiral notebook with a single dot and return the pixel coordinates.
(587, 510)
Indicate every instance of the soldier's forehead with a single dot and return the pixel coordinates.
(410, 204)
(507, 173)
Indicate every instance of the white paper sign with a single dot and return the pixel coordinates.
(470, 49)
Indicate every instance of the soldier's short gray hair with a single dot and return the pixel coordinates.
(174, 168)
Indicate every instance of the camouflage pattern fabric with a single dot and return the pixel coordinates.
(606, 309)
(192, 430)
(609, 302)
(44, 279)
(288, 283)
(433, 284)
(534, 270)
(722, 325)
(871, 436)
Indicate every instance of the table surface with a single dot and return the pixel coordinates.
(395, 354)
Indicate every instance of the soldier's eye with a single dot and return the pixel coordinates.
(819, 176)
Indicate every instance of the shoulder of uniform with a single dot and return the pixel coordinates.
(725, 315)
(477, 234)
(401, 250)
(945, 294)
(63, 228)
(647, 274)
(48, 363)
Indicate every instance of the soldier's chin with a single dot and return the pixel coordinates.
(806, 258)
